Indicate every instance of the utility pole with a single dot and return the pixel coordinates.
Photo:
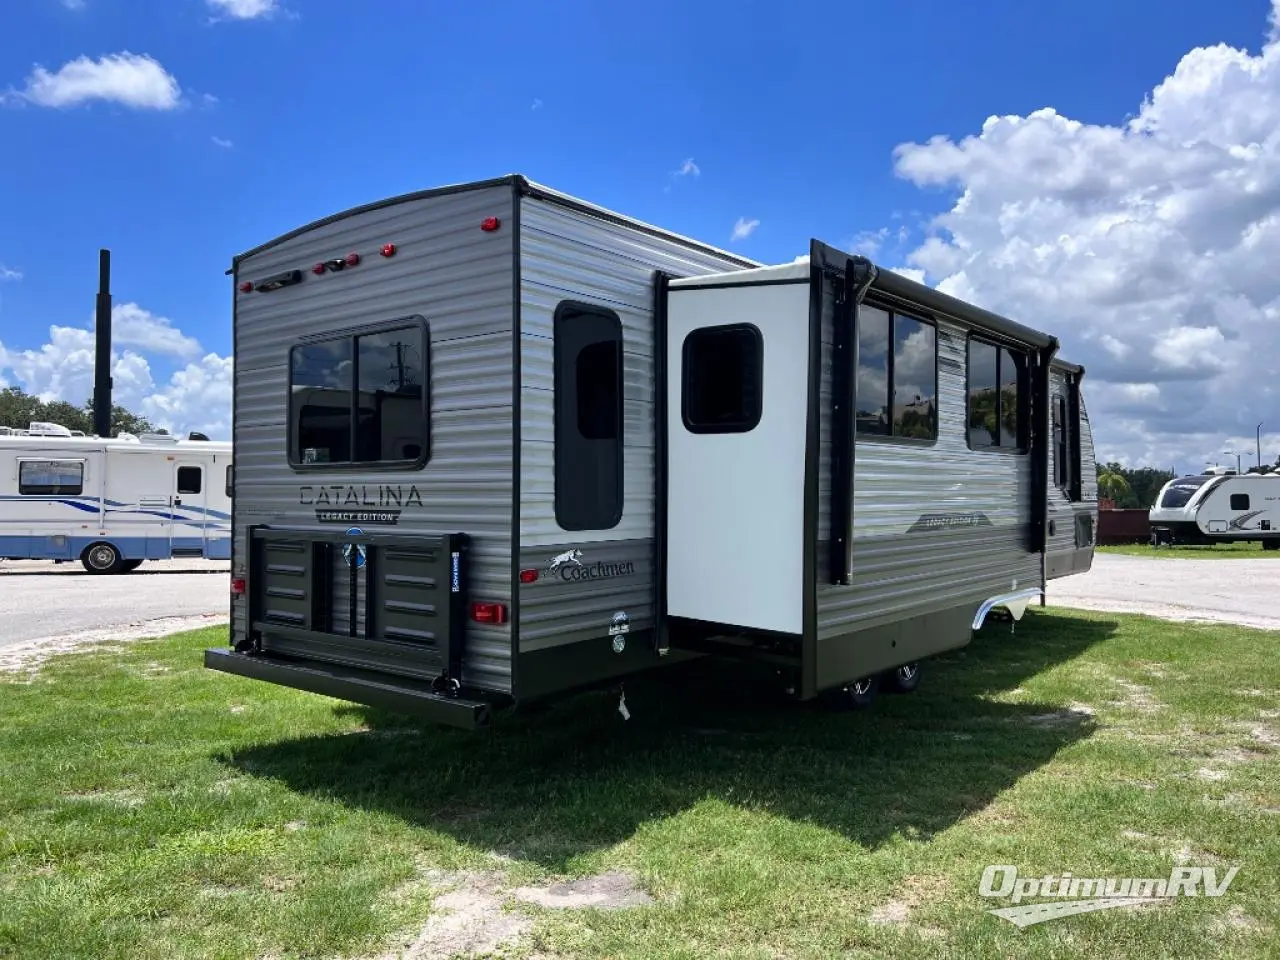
(1228, 453)
(1258, 436)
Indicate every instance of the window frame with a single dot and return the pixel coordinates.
(1060, 432)
(1024, 394)
(1231, 502)
(756, 413)
(568, 419)
(177, 480)
(920, 317)
(352, 334)
(82, 462)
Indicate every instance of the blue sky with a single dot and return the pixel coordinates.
(246, 126)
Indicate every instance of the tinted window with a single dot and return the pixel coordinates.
(190, 479)
(1181, 491)
(997, 397)
(360, 398)
(588, 417)
(1061, 465)
(914, 377)
(230, 479)
(51, 477)
(872, 410)
(1239, 501)
(722, 380)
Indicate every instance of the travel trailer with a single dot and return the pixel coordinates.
(112, 503)
(1218, 506)
(495, 443)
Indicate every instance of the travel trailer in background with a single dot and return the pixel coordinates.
(495, 443)
(1218, 506)
(112, 503)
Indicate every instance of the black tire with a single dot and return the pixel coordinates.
(131, 565)
(903, 679)
(102, 557)
(1271, 544)
(860, 694)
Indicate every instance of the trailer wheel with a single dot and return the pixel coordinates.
(860, 694)
(1271, 544)
(102, 558)
(904, 679)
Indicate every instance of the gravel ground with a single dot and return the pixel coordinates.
(1226, 591)
(44, 604)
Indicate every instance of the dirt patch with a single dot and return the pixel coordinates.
(897, 912)
(30, 654)
(113, 798)
(1137, 697)
(607, 891)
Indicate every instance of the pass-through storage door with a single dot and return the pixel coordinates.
(737, 397)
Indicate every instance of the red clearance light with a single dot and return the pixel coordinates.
(528, 576)
(318, 269)
(388, 249)
(353, 259)
(237, 587)
(490, 224)
(246, 287)
(489, 612)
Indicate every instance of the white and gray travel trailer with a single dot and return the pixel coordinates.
(495, 443)
(1216, 507)
(112, 503)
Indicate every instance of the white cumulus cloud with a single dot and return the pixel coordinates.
(744, 228)
(9, 273)
(129, 79)
(244, 9)
(1148, 246)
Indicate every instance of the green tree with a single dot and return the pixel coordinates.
(1114, 486)
(18, 409)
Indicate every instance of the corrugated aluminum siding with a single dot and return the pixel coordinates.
(566, 254)
(461, 280)
(897, 573)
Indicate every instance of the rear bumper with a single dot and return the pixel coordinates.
(398, 694)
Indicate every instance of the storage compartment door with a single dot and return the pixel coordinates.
(737, 396)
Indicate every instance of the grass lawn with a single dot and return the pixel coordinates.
(1220, 551)
(152, 809)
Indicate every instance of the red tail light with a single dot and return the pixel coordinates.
(388, 249)
(246, 287)
(237, 586)
(318, 269)
(528, 576)
(490, 224)
(489, 612)
(353, 259)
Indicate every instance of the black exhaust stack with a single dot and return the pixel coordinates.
(102, 359)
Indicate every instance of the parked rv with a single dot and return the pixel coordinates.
(1218, 506)
(112, 503)
(495, 443)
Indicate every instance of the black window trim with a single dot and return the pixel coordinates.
(920, 317)
(82, 461)
(1231, 502)
(599, 310)
(407, 322)
(1064, 472)
(177, 480)
(1025, 387)
(757, 339)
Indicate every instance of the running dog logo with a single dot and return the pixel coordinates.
(559, 560)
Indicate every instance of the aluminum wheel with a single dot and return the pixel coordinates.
(102, 558)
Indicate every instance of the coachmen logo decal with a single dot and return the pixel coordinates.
(569, 567)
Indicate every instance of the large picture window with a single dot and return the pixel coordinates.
(897, 387)
(998, 397)
(588, 417)
(361, 398)
(51, 478)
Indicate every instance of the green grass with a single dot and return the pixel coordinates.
(152, 809)
(1219, 551)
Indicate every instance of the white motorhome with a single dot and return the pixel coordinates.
(112, 503)
(495, 443)
(1218, 506)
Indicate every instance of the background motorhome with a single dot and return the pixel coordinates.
(495, 443)
(1218, 506)
(112, 503)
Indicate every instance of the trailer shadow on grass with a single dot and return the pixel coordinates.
(549, 786)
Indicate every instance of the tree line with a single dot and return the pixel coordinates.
(19, 409)
(1136, 488)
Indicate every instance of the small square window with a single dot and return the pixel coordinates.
(190, 479)
(1239, 501)
(723, 379)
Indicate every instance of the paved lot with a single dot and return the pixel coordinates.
(39, 599)
(1230, 591)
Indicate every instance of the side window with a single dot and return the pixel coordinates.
(231, 480)
(588, 417)
(997, 397)
(1239, 501)
(896, 388)
(722, 379)
(360, 398)
(190, 479)
(1061, 443)
(46, 478)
